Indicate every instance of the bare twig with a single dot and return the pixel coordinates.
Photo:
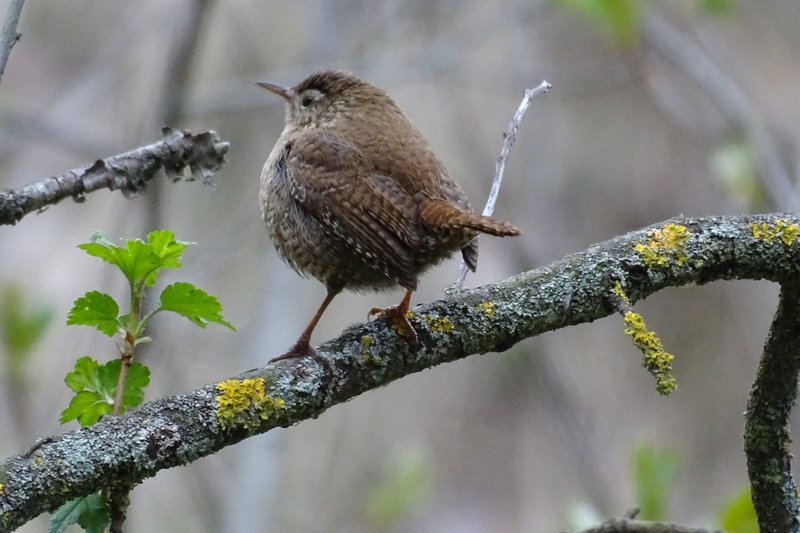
(9, 36)
(500, 167)
(129, 172)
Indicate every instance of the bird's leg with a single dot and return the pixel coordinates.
(302, 347)
(399, 318)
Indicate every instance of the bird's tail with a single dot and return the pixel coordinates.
(446, 216)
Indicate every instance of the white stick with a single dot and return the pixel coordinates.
(500, 167)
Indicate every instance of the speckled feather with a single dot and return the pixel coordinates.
(353, 195)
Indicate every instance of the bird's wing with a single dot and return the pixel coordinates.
(371, 212)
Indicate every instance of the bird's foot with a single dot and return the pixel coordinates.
(398, 314)
(302, 348)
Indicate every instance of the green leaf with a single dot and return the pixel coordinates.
(137, 379)
(739, 515)
(167, 247)
(85, 376)
(87, 408)
(95, 386)
(194, 304)
(98, 310)
(90, 512)
(654, 473)
(620, 18)
(139, 261)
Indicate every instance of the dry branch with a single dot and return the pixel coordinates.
(203, 153)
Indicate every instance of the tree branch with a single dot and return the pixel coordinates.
(767, 442)
(181, 429)
(129, 172)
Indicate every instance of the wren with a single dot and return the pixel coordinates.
(353, 195)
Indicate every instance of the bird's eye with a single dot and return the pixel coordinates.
(307, 100)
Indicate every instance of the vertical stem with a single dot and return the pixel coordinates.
(767, 442)
(9, 36)
(128, 347)
(127, 361)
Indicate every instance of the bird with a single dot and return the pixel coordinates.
(353, 195)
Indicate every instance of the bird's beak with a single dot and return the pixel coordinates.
(280, 90)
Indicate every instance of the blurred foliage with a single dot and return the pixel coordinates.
(654, 475)
(654, 472)
(620, 18)
(403, 490)
(739, 515)
(719, 7)
(20, 328)
(734, 166)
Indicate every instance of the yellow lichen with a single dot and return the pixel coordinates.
(782, 229)
(619, 291)
(1, 488)
(665, 246)
(39, 459)
(241, 401)
(486, 307)
(442, 325)
(366, 349)
(656, 360)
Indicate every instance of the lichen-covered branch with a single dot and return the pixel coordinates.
(577, 289)
(766, 437)
(203, 153)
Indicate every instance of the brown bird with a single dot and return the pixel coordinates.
(353, 195)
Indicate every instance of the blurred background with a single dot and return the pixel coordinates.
(657, 109)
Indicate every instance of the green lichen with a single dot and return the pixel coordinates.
(665, 246)
(487, 308)
(656, 360)
(782, 229)
(440, 325)
(245, 403)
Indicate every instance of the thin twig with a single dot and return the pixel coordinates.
(500, 167)
(10, 36)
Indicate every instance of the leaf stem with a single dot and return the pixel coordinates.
(135, 328)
